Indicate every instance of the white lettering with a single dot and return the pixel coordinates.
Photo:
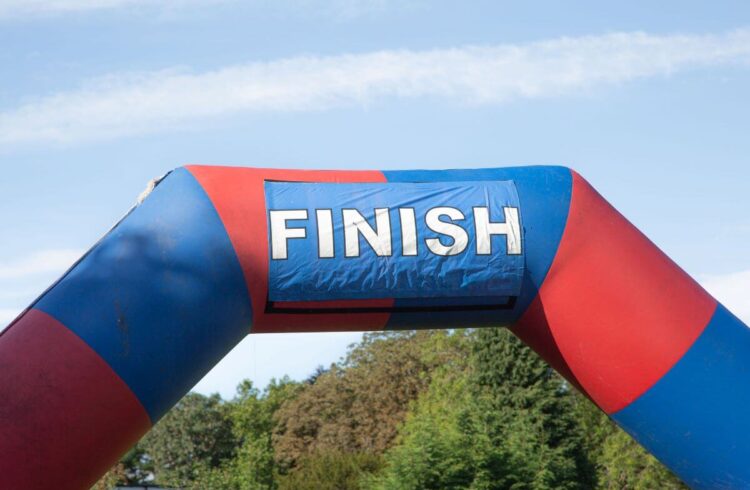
(408, 231)
(280, 233)
(453, 238)
(355, 224)
(325, 233)
(485, 229)
(458, 234)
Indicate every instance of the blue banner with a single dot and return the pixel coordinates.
(393, 240)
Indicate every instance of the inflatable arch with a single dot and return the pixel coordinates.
(215, 253)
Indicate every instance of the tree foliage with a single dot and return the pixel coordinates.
(531, 410)
(504, 421)
(357, 405)
(463, 409)
(331, 470)
(194, 436)
(253, 416)
(446, 442)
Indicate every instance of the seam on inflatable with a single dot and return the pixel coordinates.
(229, 238)
(104, 361)
(557, 250)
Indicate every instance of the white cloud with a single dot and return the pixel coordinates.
(33, 8)
(42, 262)
(353, 9)
(337, 9)
(119, 105)
(733, 290)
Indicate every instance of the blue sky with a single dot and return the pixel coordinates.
(648, 100)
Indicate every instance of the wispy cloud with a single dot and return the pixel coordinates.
(733, 290)
(10, 9)
(43, 262)
(353, 9)
(119, 105)
(339, 9)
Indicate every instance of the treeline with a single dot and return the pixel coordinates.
(465, 409)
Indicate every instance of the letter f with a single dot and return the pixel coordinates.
(281, 233)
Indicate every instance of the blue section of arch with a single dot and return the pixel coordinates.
(544, 194)
(162, 297)
(692, 417)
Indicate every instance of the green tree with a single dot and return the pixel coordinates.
(253, 415)
(194, 436)
(357, 405)
(446, 442)
(531, 413)
(114, 476)
(137, 466)
(331, 470)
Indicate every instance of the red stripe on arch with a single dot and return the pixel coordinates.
(619, 311)
(66, 416)
(239, 198)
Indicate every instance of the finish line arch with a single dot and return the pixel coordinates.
(215, 253)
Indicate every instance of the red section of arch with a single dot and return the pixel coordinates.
(67, 407)
(614, 311)
(532, 328)
(239, 198)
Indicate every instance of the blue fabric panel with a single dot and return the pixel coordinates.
(302, 274)
(167, 281)
(690, 419)
(544, 195)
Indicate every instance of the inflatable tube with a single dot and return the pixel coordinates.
(215, 253)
